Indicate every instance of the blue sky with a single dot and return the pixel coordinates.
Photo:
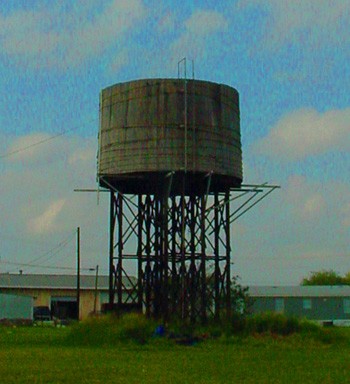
(289, 60)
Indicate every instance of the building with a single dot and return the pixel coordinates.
(325, 303)
(20, 292)
(16, 307)
(59, 292)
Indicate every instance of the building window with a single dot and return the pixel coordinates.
(279, 305)
(307, 304)
(346, 306)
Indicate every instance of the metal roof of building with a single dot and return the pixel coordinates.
(42, 281)
(55, 281)
(300, 291)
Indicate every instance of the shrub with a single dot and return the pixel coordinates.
(274, 323)
(110, 329)
(135, 327)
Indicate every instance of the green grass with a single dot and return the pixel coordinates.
(77, 355)
(110, 330)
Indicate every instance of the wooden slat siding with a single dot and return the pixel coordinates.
(142, 128)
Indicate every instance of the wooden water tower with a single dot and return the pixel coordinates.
(170, 155)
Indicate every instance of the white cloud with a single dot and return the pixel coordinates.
(54, 38)
(303, 218)
(306, 199)
(195, 41)
(166, 23)
(317, 203)
(82, 155)
(45, 223)
(346, 216)
(306, 132)
(204, 22)
(313, 205)
(120, 61)
(315, 22)
(239, 229)
(28, 148)
(40, 149)
(40, 200)
(299, 229)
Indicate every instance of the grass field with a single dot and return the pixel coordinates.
(50, 355)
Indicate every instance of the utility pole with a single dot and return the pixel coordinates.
(96, 288)
(78, 273)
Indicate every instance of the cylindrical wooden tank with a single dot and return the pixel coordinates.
(151, 127)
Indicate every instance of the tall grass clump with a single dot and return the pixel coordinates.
(328, 335)
(111, 330)
(273, 323)
(282, 325)
(239, 325)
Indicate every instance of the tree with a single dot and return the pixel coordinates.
(240, 297)
(346, 278)
(326, 277)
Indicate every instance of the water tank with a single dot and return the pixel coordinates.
(153, 128)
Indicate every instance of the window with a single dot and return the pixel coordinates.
(279, 305)
(64, 307)
(307, 304)
(346, 305)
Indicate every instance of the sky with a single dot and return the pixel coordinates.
(289, 61)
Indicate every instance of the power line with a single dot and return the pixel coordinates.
(45, 260)
(42, 266)
(46, 256)
(57, 248)
(8, 154)
(32, 145)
